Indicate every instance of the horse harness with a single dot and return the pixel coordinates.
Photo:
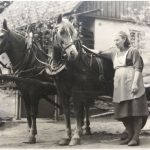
(21, 66)
(77, 42)
(99, 62)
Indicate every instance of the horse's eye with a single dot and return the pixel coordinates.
(62, 32)
(2, 36)
(56, 29)
(62, 42)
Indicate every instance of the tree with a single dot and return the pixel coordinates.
(141, 17)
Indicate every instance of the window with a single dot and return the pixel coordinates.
(136, 38)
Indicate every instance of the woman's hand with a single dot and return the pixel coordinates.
(134, 88)
(135, 85)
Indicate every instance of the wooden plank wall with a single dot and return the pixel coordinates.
(111, 9)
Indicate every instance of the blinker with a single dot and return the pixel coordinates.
(64, 56)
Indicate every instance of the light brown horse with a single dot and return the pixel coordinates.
(83, 78)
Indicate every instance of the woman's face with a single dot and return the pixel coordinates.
(119, 42)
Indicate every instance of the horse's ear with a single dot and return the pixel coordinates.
(59, 19)
(5, 24)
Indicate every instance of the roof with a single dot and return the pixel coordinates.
(4, 4)
(116, 10)
(21, 13)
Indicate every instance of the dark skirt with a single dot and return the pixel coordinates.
(131, 108)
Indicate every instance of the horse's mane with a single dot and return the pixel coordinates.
(21, 57)
(16, 36)
(72, 29)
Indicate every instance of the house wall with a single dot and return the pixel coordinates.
(105, 32)
(104, 35)
(8, 104)
(5, 60)
(7, 97)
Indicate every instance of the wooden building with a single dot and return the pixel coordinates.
(105, 18)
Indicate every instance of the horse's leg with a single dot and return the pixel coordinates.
(34, 112)
(78, 130)
(28, 112)
(27, 104)
(66, 111)
(34, 101)
(87, 121)
(82, 115)
(85, 114)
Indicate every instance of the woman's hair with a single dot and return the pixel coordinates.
(125, 36)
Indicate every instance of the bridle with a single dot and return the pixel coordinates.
(63, 49)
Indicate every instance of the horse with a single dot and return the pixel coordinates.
(31, 80)
(82, 76)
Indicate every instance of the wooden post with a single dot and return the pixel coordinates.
(18, 116)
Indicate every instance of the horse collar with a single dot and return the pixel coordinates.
(54, 70)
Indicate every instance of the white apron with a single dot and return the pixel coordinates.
(123, 80)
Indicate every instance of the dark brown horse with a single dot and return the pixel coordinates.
(32, 80)
(82, 77)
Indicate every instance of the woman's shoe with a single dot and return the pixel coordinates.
(134, 142)
(126, 141)
(124, 136)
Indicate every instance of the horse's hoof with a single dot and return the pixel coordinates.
(74, 142)
(64, 142)
(30, 140)
(87, 132)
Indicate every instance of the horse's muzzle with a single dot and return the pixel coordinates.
(73, 55)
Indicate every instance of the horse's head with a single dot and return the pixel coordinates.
(65, 36)
(4, 32)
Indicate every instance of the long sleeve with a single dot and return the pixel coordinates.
(138, 66)
(137, 61)
(134, 59)
(109, 54)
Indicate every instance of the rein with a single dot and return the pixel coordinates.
(64, 49)
(81, 59)
(98, 60)
(20, 67)
(46, 66)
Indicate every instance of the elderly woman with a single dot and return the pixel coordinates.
(130, 102)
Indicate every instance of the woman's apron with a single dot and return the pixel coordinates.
(124, 76)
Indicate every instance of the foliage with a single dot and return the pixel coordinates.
(138, 16)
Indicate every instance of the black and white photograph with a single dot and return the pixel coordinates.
(74, 74)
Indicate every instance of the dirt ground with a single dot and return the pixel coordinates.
(105, 134)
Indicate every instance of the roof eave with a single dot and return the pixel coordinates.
(74, 9)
